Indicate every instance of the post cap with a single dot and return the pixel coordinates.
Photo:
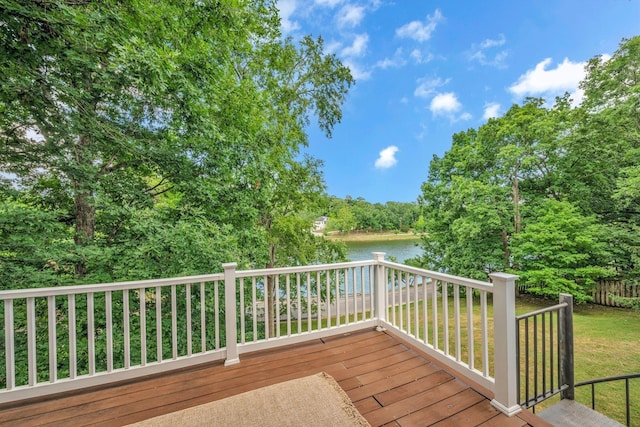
(378, 256)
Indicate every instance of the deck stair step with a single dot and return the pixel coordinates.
(570, 413)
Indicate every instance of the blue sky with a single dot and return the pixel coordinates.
(426, 70)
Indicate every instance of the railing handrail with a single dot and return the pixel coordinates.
(542, 311)
(302, 268)
(624, 377)
(135, 284)
(608, 379)
(104, 287)
(449, 278)
(116, 286)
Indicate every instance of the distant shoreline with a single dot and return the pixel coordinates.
(373, 237)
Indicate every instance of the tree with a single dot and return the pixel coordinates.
(604, 150)
(292, 196)
(561, 251)
(108, 108)
(344, 220)
(476, 194)
(367, 216)
(298, 81)
(102, 97)
(467, 221)
(420, 224)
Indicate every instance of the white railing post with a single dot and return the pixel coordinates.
(379, 284)
(504, 341)
(231, 316)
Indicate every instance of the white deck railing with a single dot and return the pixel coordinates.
(64, 338)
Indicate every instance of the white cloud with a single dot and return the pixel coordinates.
(420, 58)
(491, 110)
(577, 96)
(359, 46)
(418, 30)
(286, 8)
(387, 158)
(605, 57)
(445, 104)
(426, 87)
(356, 71)
(488, 43)
(328, 3)
(540, 81)
(389, 63)
(479, 52)
(350, 16)
(395, 62)
(332, 46)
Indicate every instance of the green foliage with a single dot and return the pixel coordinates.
(155, 139)
(359, 215)
(626, 301)
(36, 248)
(420, 224)
(344, 220)
(561, 251)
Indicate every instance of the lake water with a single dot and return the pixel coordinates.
(401, 249)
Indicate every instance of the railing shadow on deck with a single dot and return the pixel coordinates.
(66, 338)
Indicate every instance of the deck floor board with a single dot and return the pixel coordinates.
(389, 382)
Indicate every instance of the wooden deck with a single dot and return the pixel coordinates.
(389, 382)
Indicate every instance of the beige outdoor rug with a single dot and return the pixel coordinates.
(316, 400)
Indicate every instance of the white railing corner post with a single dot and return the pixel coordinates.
(504, 341)
(231, 315)
(380, 289)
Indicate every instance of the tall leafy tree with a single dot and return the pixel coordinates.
(467, 213)
(604, 150)
(477, 195)
(100, 96)
(561, 251)
(134, 120)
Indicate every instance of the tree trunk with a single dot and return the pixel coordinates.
(517, 218)
(515, 193)
(85, 211)
(270, 329)
(505, 250)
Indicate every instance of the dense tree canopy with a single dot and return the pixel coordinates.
(548, 193)
(346, 215)
(144, 139)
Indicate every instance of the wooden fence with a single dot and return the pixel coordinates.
(602, 294)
